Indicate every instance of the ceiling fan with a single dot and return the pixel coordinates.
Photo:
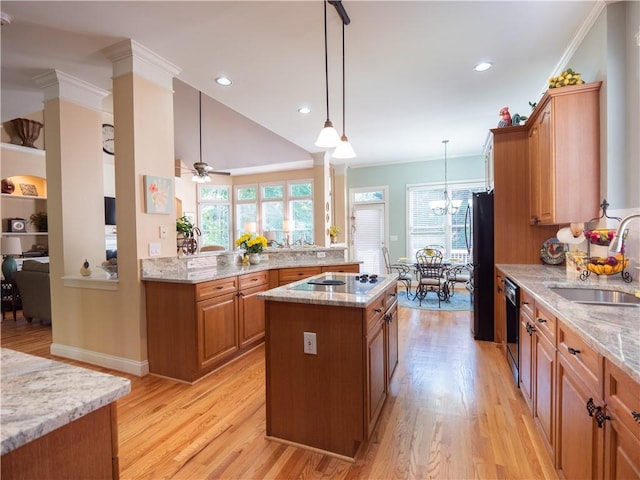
(201, 170)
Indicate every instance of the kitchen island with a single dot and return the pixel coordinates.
(331, 349)
(58, 420)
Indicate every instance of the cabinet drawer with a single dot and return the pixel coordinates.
(622, 396)
(351, 268)
(527, 303)
(253, 279)
(546, 324)
(390, 297)
(584, 360)
(294, 274)
(216, 287)
(374, 313)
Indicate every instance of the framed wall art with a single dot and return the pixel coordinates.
(28, 189)
(158, 195)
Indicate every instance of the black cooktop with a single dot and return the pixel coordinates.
(358, 285)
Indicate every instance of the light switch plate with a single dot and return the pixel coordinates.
(163, 231)
(154, 249)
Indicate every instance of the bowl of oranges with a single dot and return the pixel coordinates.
(607, 265)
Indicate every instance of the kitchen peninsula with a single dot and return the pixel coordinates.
(203, 310)
(58, 419)
(331, 349)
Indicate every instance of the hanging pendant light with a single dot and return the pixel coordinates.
(201, 174)
(344, 150)
(328, 137)
(447, 205)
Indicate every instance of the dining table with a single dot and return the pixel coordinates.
(444, 268)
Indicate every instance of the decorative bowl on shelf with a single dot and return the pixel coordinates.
(607, 265)
(600, 236)
(112, 270)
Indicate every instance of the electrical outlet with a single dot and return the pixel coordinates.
(322, 254)
(163, 231)
(154, 249)
(310, 346)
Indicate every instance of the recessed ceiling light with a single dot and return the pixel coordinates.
(224, 81)
(482, 66)
(304, 110)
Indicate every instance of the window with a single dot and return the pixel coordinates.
(427, 228)
(269, 204)
(214, 214)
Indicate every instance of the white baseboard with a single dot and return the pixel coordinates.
(125, 365)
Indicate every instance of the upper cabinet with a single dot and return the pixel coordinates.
(564, 155)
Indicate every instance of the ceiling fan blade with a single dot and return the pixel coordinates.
(219, 173)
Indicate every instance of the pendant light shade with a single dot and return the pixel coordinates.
(343, 150)
(328, 137)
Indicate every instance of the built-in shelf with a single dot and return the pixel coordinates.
(23, 197)
(22, 234)
(20, 148)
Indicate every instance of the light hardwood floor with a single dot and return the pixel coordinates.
(452, 412)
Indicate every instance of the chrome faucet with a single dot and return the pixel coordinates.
(616, 244)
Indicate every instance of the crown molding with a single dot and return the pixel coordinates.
(57, 84)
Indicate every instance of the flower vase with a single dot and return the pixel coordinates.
(245, 259)
(254, 258)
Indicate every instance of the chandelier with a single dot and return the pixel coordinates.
(446, 205)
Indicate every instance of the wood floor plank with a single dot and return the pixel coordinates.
(452, 411)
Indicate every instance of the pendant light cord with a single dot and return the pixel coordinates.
(200, 121)
(343, 74)
(326, 60)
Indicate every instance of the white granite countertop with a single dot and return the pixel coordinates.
(614, 332)
(160, 273)
(39, 395)
(287, 293)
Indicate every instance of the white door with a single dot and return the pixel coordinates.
(368, 233)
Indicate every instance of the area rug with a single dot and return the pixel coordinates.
(461, 300)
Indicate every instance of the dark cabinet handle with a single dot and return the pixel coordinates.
(240, 294)
(378, 310)
(597, 412)
(525, 303)
(254, 279)
(542, 320)
(636, 416)
(573, 351)
(393, 294)
(499, 289)
(530, 328)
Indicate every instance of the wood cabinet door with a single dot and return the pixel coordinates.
(392, 341)
(534, 174)
(526, 358)
(622, 452)
(376, 375)
(547, 177)
(544, 387)
(217, 334)
(251, 314)
(579, 441)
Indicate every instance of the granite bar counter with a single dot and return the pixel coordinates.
(44, 402)
(215, 266)
(612, 331)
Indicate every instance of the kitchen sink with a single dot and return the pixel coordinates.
(596, 296)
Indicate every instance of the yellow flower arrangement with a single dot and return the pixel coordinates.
(251, 244)
(334, 231)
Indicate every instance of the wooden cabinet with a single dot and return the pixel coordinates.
(391, 340)
(250, 307)
(376, 372)
(564, 148)
(526, 364)
(579, 438)
(622, 429)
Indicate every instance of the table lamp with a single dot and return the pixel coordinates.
(10, 247)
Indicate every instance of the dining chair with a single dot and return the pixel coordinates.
(460, 274)
(431, 275)
(404, 271)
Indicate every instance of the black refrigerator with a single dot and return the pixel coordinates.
(482, 254)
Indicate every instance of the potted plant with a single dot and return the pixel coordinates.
(334, 231)
(39, 220)
(252, 246)
(184, 226)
